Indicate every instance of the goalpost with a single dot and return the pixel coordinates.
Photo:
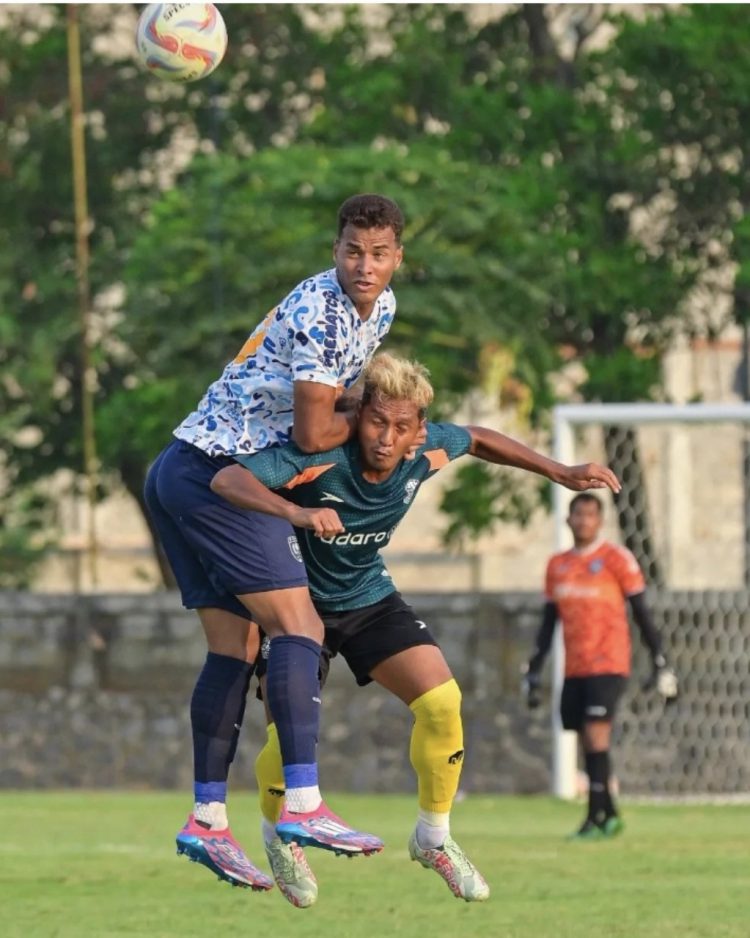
(685, 512)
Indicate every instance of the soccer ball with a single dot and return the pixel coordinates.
(181, 41)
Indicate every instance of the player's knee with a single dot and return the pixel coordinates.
(310, 627)
(286, 612)
(596, 735)
(440, 707)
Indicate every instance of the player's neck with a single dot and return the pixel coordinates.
(365, 310)
(587, 546)
(375, 476)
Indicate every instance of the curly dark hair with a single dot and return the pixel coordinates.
(371, 211)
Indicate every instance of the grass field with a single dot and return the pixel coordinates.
(96, 865)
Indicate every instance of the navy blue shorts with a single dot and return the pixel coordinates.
(217, 551)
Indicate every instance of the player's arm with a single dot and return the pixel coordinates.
(318, 425)
(532, 680)
(663, 678)
(495, 447)
(239, 486)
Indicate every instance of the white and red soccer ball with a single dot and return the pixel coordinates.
(181, 41)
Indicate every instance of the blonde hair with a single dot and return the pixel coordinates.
(399, 380)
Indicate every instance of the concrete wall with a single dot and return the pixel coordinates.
(94, 692)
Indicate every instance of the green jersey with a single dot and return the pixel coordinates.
(346, 571)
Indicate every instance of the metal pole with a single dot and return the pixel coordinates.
(564, 743)
(636, 414)
(87, 372)
(746, 452)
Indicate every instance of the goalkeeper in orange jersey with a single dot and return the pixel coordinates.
(586, 588)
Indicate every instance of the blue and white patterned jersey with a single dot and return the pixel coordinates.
(314, 334)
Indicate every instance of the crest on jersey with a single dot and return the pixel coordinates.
(294, 547)
(410, 489)
(596, 565)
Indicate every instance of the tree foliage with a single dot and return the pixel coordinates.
(525, 165)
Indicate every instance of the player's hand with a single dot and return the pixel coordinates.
(589, 476)
(420, 440)
(531, 687)
(323, 521)
(666, 684)
(664, 680)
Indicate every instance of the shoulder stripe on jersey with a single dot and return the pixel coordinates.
(253, 342)
(437, 458)
(308, 475)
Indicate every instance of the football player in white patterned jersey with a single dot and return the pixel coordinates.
(316, 335)
(236, 566)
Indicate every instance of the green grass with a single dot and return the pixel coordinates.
(102, 865)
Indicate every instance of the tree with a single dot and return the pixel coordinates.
(277, 223)
(518, 168)
(680, 78)
(138, 133)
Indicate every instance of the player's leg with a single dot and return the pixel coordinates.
(217, 708)
(216, 712)
(292, 686)
(254, 560)
(588, 706)
(293, 696)
(269, 775)
(595, 741)
(602, 695)
(269, 768)
(390, 645)
(421, 678)
(218, 700)
(290, 868)
(572, 704)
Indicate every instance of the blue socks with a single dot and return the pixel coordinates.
(218, 706)
(293, 695)
(216, 711)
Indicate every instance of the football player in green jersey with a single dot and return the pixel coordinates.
(345, 504)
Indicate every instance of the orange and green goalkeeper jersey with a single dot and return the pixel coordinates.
(589, 589)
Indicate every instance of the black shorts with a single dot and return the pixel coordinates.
(366, 637)
(584, 699)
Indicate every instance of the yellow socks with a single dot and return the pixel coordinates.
(436, 753)
(437, 746)
(269, 775)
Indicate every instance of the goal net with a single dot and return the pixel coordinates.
(684, 511)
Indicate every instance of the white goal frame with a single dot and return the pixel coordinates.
(567, 417)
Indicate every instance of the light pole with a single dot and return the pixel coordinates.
(87, 372)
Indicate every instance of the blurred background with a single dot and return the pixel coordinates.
(574, 179)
